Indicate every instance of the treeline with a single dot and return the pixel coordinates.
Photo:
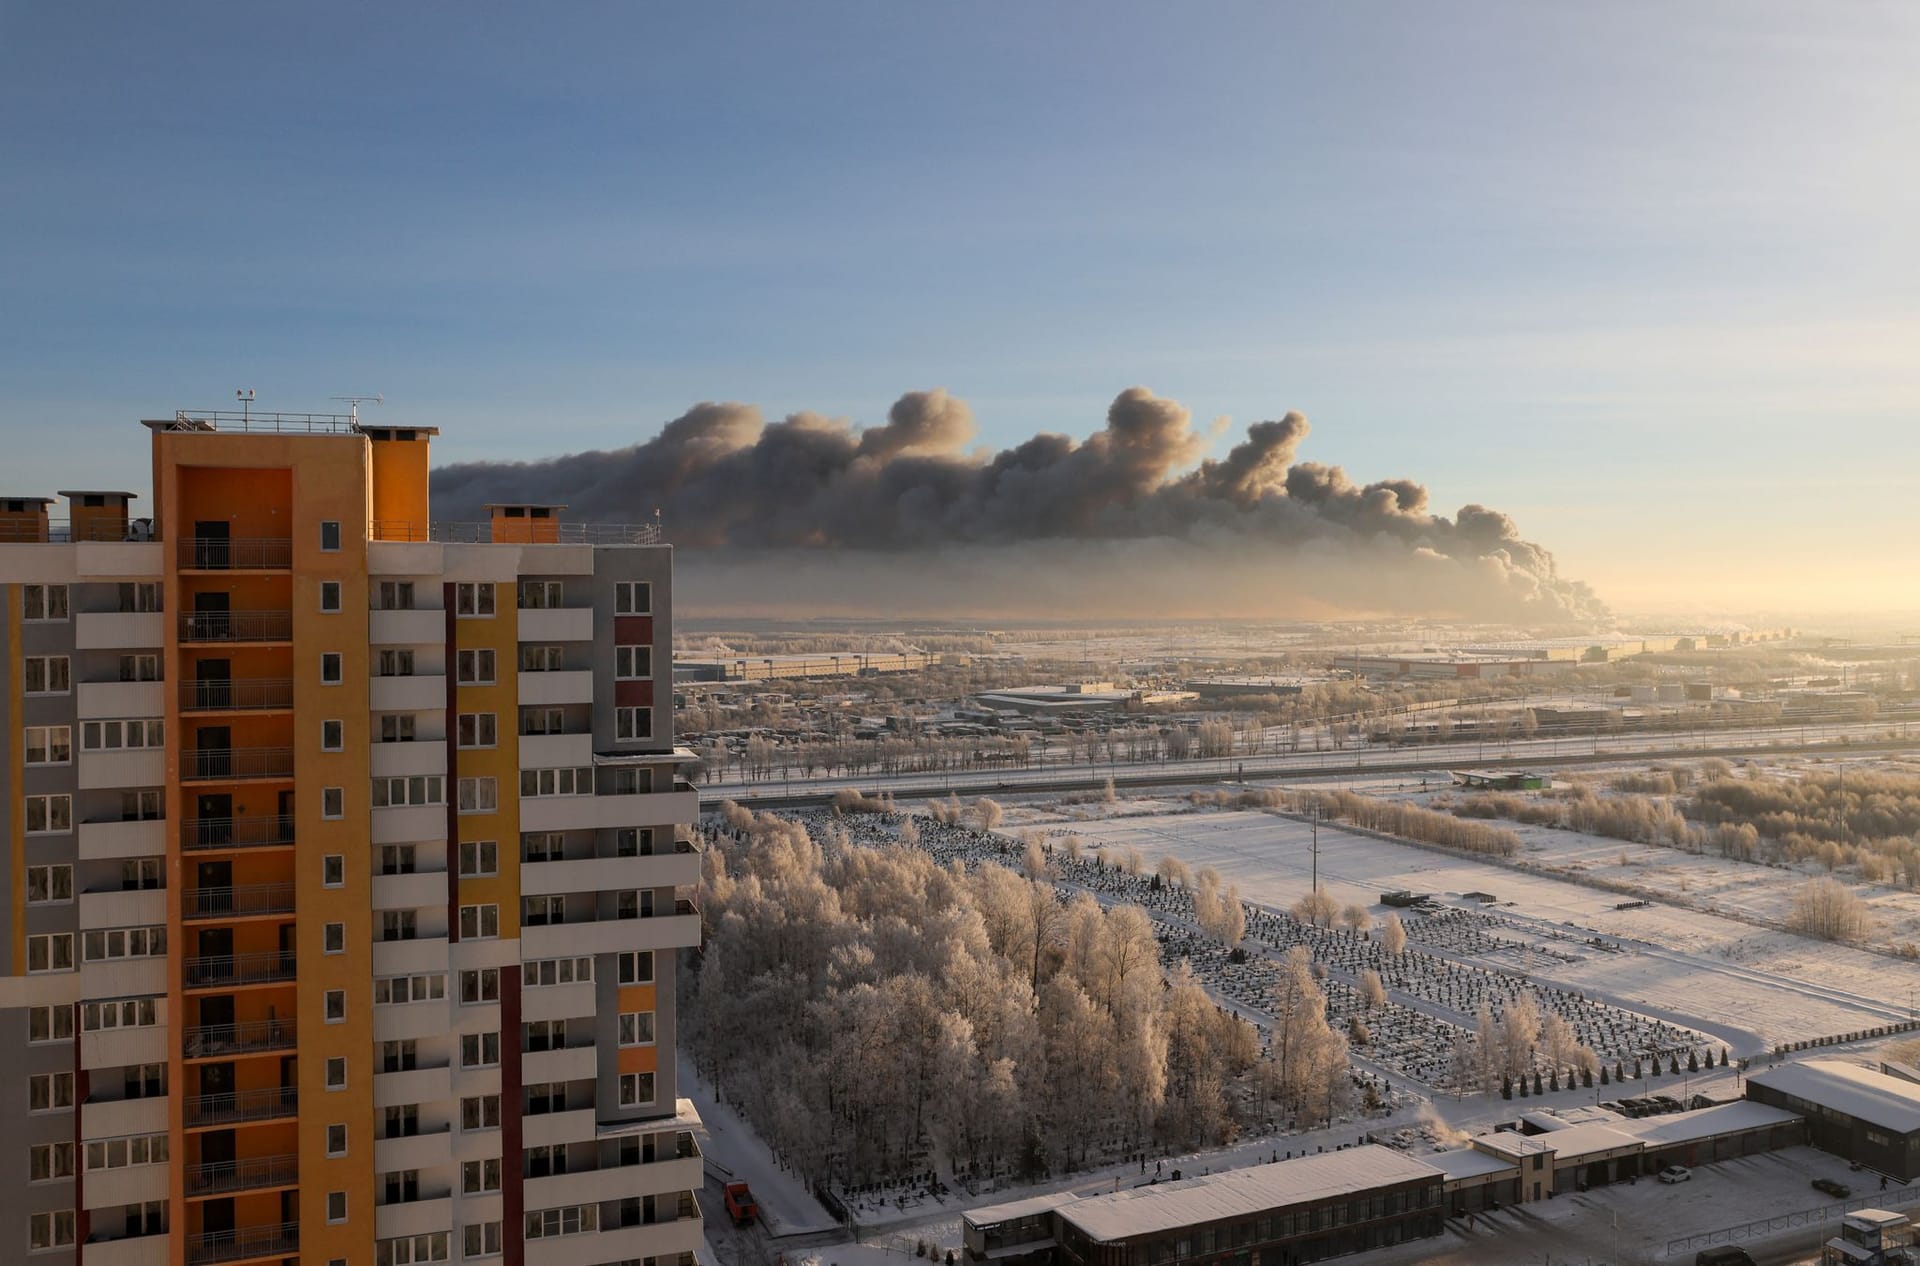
(876, 1014)
(1409, 821)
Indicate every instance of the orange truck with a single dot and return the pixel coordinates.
(740, 1204)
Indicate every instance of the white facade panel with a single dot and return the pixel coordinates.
(401, 760)
(406, 628)
(414, 1217)
(414, 824)
(421, 692)
(557, 624)
(410, 892)
(119, 630)
(567, 686)
(138, 907)
(104, 841)
(109, 700)
(415, 1151)
(611, 936)
(128, 767)
(118, 1118)
(555, 751)
(131, 1184)
(608, 874)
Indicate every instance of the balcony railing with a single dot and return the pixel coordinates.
(205, 834)
(250, 553)
(64, 531)
(244, 694)
(519, 531)
(249, 1174)
(237, 903)
(225, 970)
(242, 1243)
(216, 1041)
(242, 1105)
(236, 626)
(236, 764)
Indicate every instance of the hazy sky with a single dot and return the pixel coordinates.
(1645, 276)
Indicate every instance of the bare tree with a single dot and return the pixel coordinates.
(1393, 934)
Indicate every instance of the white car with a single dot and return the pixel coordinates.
(1676, 1173)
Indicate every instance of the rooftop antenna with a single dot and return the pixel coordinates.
(353, 406)
(245, 397)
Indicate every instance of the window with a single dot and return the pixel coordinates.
(336, 1002)
(480, 1239)
(333, 870)
(636, 967)
(47, 815)
(396, 727)
(48, 675)
(141, 806)
(140, 1149)
(479, 985)
(44, 602)
(478, 1050)
(50, 1024)
(401, 1057)
(630, 724)
(545, 1035)
(631, 841)
(49, 883)
(544, 1162)
(556, 971)
(416, 789)
(333, 735)
(140, 596)
(477, 729)
(49, 1092)
(636, 1028)
(479, 922)
(475, 668)
(537, 595)
(394, 595)
(543, 720)
(625, 781)
(479, 795)
(336, 1140)
(142, 874)
(47, 1162)
(52, 951)
(333, 939)
(480, 1113)
(542, 659)
(574, 1219)
(633, 597)
(543, 846)
(331, 672)
(546, 1096)
(473, 598)
(140, 668)
(50, 1230)
(409, 1250)
(126, 1013)
(477, 1176)
(330, 535)
(636, 1089)
(541, 911)
(631, 662)
(398, 925)
(330, 596)
(333, 802)
(397, 859)
(49, 744)
(557, 782)
(478, 858)
(394, 663)
(144, 1081)
(98, 736)
(336, 1206)
(337, 1072)
(633, 903)
(116, 943)
(404, 989)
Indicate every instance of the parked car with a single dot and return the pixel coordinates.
(1838, 1190)
(1725, 1255)
(1676, 1173)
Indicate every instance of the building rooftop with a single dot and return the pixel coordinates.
(1587, 1139)
(1707, 1123)
(1014, 1210)
(1859, 1092)
(1243, 1192)
(1467, 1162)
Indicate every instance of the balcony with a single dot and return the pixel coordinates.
(561, 686)
(107, 700)
(123, 908)
(128, 1250)
(600, 874)
(408, 758)
(567, 1063)
(236, 626)
(429, 1149)
(226, 1041)
(241, 1106)
(227, 971)
(413, 1085)
(243, 1244)
(242, 553)
(135, 1044)
(119, 630)
(254, 1173)
(118, 1118)
(556, 624)
(618, 1243)
(241, 694)
(411, 891)
(415, 692)
(122, 767)
(586, 813)
(555, 751)
(106, 841)
(243, 902)
(676, 930)
(406, 628)
(236, 764)
(206, 835)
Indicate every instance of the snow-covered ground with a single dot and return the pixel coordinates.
(734, 1153)
(1752, 987)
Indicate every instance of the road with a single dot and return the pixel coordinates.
(1366, 761)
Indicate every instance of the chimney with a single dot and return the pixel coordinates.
(97, 516)
(23, 518)
(525, 524)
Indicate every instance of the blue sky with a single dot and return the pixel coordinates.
(1646, 276)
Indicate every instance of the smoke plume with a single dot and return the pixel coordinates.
(869, 512)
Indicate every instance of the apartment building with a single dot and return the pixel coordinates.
(347, 869)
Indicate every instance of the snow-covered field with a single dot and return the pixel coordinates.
(1750, 986)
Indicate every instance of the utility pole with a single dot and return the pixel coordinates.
(1316, 848)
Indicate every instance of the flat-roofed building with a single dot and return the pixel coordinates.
(1851, 1111)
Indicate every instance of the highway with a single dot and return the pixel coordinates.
(1365, 761)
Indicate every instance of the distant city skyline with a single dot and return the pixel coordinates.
(1643, 278)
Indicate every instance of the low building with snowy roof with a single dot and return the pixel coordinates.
(1851, 1111)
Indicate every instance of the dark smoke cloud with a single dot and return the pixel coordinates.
(735, 487)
